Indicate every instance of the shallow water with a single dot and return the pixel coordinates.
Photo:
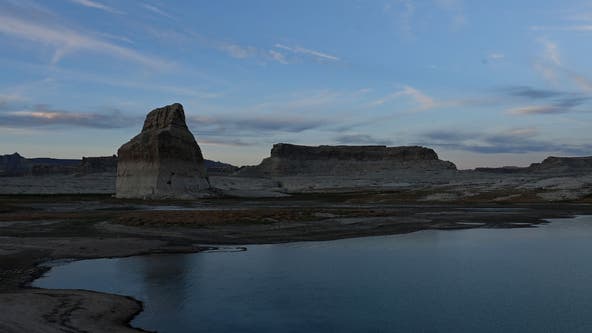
(479, 280)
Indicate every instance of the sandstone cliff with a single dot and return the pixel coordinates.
(290, 160)
(163, 161)
(14, 165)
(563, 164)
(550, 165)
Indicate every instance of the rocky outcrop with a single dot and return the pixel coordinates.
(563, 165)
(217, 168)
(98, 164)
(163, 161)
(550, 165)
(290, 160)
(14, 165)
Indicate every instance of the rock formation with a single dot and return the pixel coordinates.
(163, 161)
(290, 160)
(98, 164)
(550, 165)
(563, 165)
(13, 165)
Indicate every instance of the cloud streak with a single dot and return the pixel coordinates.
(537, 109)
(257, 124)
(42, 116)
(362, 139)
(308, 52)
(580, 28)
(67, 40)
(516, 141)
(531, 93)
(157, 10)
(97, 5)
(554, 101)
(423, 101)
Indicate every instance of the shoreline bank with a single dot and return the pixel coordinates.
(33, 237)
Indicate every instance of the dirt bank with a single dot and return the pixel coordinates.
(37, 229)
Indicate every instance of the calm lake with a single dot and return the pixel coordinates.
(480, 280)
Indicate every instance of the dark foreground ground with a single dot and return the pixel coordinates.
(37, 229)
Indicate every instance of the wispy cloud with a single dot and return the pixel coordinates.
(553, 101)
(304, 51)
(237, 51)
(580, 28)
(403, 12)
(531, 93)
(537, 109)
(549, 62)
(494, 57)
(279, 53)
(278, 56)
(408, 15)
(226, 142)
(42, 115)
(423, 101)
(7, 99)
(282, 114)
(156, 10)
(513, 141)
(362, 139)
(551, 52)
(257, 123)
(97, 5)
(67, 40)
(550, 66)
(581, 81)
(456, 10)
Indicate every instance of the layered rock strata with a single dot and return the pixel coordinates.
(563, 164)
(550, 165)
(163, 161)
(291, 160)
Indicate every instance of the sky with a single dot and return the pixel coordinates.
(484, 83)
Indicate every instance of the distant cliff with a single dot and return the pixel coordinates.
(289, 160)
(552, 164)
(563, 164)
(15, 165)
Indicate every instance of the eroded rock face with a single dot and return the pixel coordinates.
(550, 165)
(13, 165)
(563, 164)
(290, 160)
(163, 161)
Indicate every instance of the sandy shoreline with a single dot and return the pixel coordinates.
(35, 230)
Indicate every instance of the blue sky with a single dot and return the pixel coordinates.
(482, 82)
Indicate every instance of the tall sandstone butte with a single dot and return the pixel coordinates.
(163, 161)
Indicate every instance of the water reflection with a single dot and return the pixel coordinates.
(518, 280)
(164, 278)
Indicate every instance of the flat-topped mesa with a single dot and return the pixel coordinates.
(554, 164)
(163, 161)
(290, 160)
(356, 153)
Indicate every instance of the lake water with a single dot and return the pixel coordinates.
(480, 280)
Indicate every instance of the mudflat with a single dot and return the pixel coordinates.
(41, 228)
